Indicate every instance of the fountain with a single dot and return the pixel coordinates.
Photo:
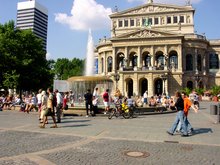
(89, 65)
(80, 84)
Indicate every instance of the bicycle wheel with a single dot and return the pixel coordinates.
(126, 114)
(111, 114)
(135, 112)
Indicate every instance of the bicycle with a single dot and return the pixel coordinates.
(119, 111)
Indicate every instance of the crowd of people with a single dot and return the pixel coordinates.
(49, 103)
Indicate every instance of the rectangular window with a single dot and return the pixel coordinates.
(143, 22)
(181, 19)
(175, 20)
(150, 21)
(119, 23)
(132, 22)
(168, 20)
(126, 23)
(156, 21)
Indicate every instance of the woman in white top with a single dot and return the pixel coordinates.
(44, 99)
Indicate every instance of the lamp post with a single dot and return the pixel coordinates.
(164, 78)
(117, 78)
(197, 78)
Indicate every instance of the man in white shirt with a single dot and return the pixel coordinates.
(59, 105)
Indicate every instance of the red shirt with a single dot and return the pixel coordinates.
(105, 97)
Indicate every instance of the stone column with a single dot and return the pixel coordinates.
(152, 59)
(105, 64)
(135, 84)
(139, 62)
(165, 58)
(150, 85)
(180, 56)
(196, 62)
(114, 64)
(126, 57)
(218, 63)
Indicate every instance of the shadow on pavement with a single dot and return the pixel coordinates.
(74, 121)
(79, 125)
(202, 130)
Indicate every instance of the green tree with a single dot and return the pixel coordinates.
(23, 52)
(65, 68)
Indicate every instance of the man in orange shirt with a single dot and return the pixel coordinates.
(187, 105)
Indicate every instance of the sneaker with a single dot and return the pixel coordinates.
(105, 113)
(170, 133)
(87, 115)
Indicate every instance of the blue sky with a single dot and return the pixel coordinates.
(69, 21)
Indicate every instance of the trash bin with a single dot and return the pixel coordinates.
(213, 109)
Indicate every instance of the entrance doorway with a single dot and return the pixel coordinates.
(130, 87)
(189, 85)
(143, 86)
(158, 87)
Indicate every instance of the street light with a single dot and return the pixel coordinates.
(197, 78)
(117, 78)
(164, 78)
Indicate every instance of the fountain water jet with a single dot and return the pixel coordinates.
(80, 84)
(89, 64)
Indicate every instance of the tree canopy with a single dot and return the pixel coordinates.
(65, 68)
(23, 63)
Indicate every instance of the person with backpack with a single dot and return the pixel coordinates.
(50, 110)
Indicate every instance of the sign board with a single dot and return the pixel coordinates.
(61, 85)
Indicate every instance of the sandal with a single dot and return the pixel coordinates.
(41, 126)
(54, 126)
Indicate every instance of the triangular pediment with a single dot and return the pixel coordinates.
(152, 8)
(146, 33)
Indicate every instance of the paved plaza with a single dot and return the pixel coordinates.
(100, 141)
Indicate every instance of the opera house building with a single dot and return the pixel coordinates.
(154, 48)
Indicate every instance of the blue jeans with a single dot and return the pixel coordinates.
(188, 125)
(179, 118)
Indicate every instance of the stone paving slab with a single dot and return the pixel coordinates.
(81, 140)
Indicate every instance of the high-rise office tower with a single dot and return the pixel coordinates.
(32, 15)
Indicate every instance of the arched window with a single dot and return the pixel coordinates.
(199, 62)
(213, 61)
(109, 60)
(134, 60)
(173, 60)
(120, 60)
(189, 62)
(147, 61)
(160, 60)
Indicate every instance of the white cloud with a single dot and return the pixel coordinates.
(48, 56)
(178, 2)
(86, 14)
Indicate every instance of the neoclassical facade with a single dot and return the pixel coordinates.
(154, 47)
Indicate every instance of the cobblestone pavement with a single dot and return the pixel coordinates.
(81, 140)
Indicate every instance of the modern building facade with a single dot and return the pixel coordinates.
(154, 47)
(32, 15)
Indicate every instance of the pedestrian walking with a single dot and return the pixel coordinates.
(59, 105)
(50, 110)
(179, 104)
